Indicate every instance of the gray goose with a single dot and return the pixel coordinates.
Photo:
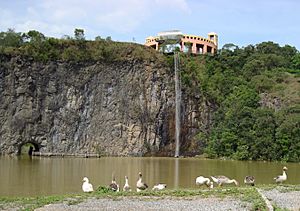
(249, 180)
(220, 180)
(140, 185)
(114, 186)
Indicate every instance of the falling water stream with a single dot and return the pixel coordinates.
(177, 103)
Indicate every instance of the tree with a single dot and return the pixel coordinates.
(10, 38)
(288, 134)
(288, 51)
(33, 36)
(296, 61)
(108, 38)
(262, 83)
(268, 48)
(98, 38)
(79, 34)
(230, 47)
(264, 144)
(66, 37)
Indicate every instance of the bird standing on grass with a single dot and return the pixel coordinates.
(86, 186)
(114, 186)
(204, 181)
(140, 185)
(283, 177)
(249, 180)
(126, 186)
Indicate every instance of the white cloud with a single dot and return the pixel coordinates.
(180, 5)
(122, 17)
(5, 19)
(58, 17)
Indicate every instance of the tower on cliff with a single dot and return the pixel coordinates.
(212, 36)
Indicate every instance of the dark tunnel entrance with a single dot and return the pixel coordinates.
(28, 149)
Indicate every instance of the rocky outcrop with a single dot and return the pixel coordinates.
(269, 101)
(109, 108)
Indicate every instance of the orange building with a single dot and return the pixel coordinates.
(185, 42)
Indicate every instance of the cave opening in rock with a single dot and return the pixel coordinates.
(28, 149)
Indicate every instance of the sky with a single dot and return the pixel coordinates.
(241, 22)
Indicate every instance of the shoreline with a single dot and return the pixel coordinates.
(79, 155)
(235, 198)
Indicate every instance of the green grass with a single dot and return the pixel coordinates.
(31, 203)
(246, 194)
(276, 208)
(283, 188)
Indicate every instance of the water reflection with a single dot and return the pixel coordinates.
(176, 174)
(23, 176)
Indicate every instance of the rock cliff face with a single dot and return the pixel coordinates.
(112, 108)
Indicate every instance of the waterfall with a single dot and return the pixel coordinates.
(177, 103)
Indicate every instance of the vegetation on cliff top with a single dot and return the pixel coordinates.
(254, 91)
(35, 45)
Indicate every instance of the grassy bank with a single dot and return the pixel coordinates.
(246, 194)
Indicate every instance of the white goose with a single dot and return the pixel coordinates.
(86, 186)
(220, 180)
(126, 186)
(114, 186)
(204, 181)
(159, 187)
(283, 177)
(140, 185)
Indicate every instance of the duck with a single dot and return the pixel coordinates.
(204, 181)
(126, 186)
(283, 177)
(249, 180)
(114, 185)
(159, 186)
(140, 185)
(86, 186)
(220, 180)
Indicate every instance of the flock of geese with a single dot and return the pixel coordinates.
(140, 185)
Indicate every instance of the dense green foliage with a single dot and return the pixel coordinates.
(35, 45)
(256, 94)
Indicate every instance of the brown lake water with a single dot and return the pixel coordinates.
(25, 176)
